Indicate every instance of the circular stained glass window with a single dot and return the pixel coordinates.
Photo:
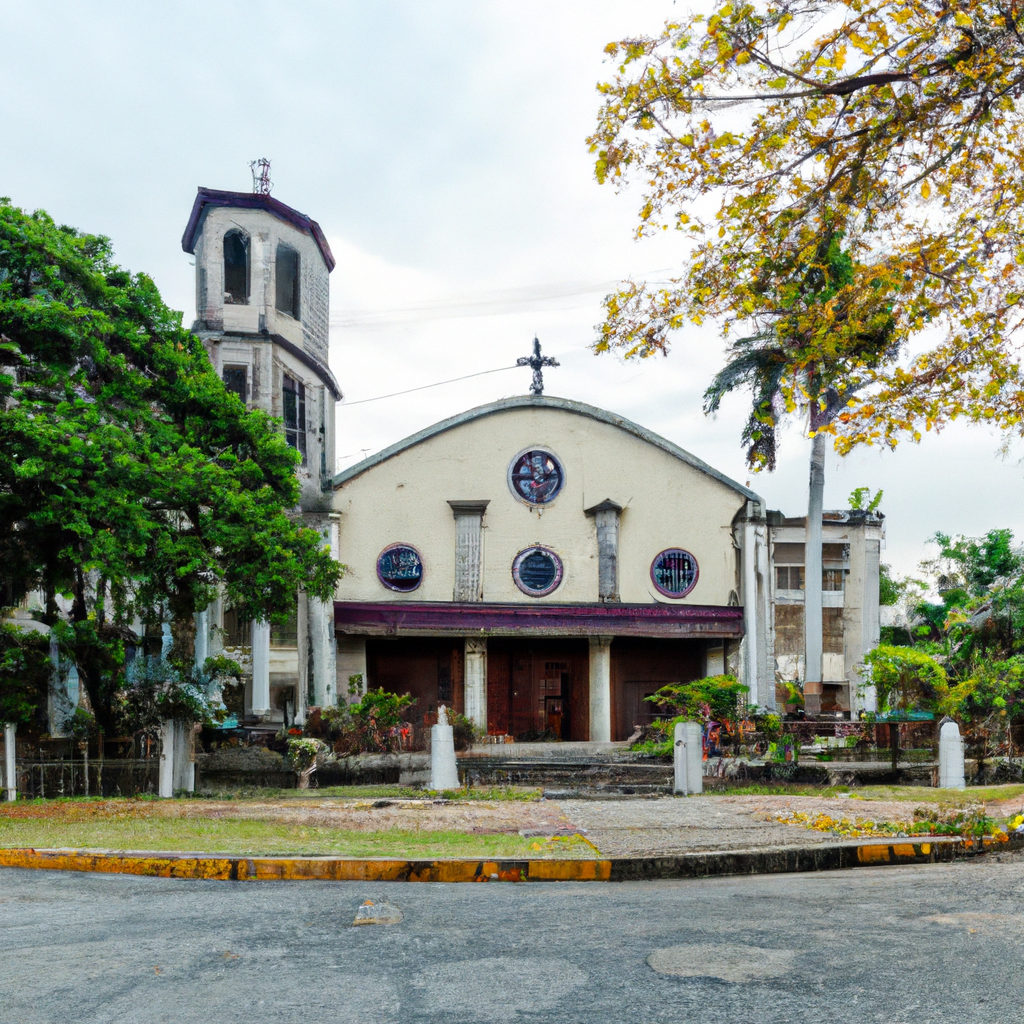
(400, 568)
(674, 572)
(536, 476)
(537, 571)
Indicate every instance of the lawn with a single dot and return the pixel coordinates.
(367, 827)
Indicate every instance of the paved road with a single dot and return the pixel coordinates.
(942, 943)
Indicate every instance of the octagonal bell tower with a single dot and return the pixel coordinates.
(263, 312)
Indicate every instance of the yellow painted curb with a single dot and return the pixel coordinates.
(338, 869)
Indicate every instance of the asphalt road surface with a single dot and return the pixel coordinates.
(937, 943)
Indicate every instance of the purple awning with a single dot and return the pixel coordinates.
(401, 618)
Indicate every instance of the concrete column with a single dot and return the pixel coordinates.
(475, 681)
(871, 627)
(601, 689)
(260, 668)
(750, 638)
(202, 637)
(10, 765)
(322, 651)
(606, 517)
(166, 781)
(469, 516)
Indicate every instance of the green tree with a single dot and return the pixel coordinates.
(25, 670)
(905, 679)
(131, 482)
(977, 562)
(766, 131)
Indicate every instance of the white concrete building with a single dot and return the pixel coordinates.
(543, 566)
(263, 307)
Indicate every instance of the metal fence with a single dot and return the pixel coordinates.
(49, 779)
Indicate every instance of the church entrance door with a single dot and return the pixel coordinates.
(538, 690)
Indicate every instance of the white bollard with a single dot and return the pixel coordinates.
(688, 758)
(951, 757)
(10, 768)
(443, 772)
(166, 786)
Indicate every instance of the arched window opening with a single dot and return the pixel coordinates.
(294, 393)
(288, 281)
(236, 268)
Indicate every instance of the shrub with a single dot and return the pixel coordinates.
(463, 730)
(702, 700)
(371, 726)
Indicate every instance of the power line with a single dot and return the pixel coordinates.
(423, 387)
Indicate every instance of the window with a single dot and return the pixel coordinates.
(537, 571)
(287, 281)
(789, 577)
(535, 476)
(294, 392)
(236, 380)
(236, 268)
(832, 579)
(399, 567)
(674, 572)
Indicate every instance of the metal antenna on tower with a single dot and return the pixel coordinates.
(261, 183)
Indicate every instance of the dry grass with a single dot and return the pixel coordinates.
(318, 827)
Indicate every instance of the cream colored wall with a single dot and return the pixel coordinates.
(666, 503)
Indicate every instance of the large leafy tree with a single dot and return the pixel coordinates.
(848, 177)
(131, 482)
(764, 130)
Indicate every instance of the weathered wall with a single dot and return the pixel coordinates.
(666, 503)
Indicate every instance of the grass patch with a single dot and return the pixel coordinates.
(945, 797)
(125, 825)
(773, 789)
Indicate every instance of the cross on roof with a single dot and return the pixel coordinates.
(537, 362)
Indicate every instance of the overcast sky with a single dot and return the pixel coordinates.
(440, 144)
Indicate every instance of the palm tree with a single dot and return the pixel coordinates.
(774, 364)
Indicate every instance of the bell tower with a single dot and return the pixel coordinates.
(263, 312)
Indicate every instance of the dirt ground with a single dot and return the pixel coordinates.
(621, 827)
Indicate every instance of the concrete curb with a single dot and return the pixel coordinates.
(778, 860)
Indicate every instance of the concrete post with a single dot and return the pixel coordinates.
(601, 689)
(10, 766)
(475, 680)
(951, 757)
(688, 758)
(166, 783)
(260, 668)
(443, 772)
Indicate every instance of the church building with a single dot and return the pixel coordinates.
(537, 564)
(542, 566)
